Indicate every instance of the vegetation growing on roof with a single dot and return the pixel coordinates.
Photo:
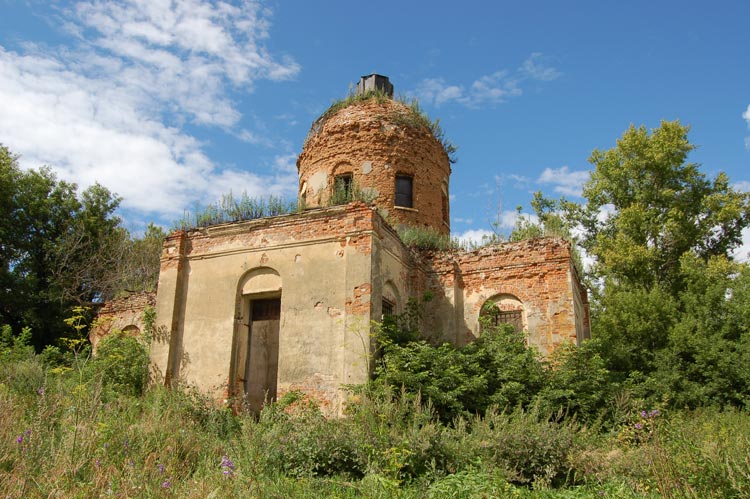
(231, 209)
(412, 116)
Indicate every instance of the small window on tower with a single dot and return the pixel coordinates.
(446, 217)
(342, 189)
(404, 191)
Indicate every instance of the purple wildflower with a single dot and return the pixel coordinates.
(644, 414)
(166, 483)
(19, 439)
(97, 463)
(40, 391)
(653, 413)
(160, 467)
(638, 426)
(27, 432)
(227, 466)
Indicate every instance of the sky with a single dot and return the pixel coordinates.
(170, 104)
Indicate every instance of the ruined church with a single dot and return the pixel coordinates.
(254, 309)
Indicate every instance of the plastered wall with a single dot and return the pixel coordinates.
(323, 261)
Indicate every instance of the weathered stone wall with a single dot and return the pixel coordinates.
(323, 259)
(368, 140)
(538, 273)
(122, 314)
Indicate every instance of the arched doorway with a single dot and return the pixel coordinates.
(255, 363)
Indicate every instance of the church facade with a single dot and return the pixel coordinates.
(251, 310)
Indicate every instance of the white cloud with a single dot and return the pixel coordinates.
(492, 89)
(539, 67)
(742, 185)
(474, 236)
(566, 182)
(746, 117)
(742, 253)
(110, 109)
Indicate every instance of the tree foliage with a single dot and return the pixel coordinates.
(647, 206)
(59, 249)
(669, 314)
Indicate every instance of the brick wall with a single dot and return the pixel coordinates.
(121, 314)
(366, 141)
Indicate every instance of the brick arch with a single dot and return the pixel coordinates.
(505, 308)
(520, 293)
(341, 168)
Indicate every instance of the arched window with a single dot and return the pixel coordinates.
(342, 188)
(131, 329)
(503, 309)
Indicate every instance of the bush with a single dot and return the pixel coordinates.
(578, 382)
(497, 369)
(121, 361)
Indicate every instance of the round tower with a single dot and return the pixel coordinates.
(374, 148)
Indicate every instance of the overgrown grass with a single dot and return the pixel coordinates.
(231, 209)
(413, 117)
(60, 436)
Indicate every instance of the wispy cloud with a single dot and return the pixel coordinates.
(539, 67)
(492, 89)
(112, 106)
(566, 182)
(474, 236)
(746, 117)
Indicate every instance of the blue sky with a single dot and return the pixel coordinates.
(169, 103)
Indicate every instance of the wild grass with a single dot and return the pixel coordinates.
(232, 209)
(59, 437)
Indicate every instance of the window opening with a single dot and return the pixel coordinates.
(446, 218)
(404, 186)
(493, 317)
(342, 188)
(388, 308)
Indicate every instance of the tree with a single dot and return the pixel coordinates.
(58, 250)
(647, 207)
(649, 213)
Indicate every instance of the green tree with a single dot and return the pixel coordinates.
(647, 207)
(56, 250)
(707, 361)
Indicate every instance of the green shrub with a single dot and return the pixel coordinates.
(532, 448)
(497, 369)
(471, 485)
(121, 361)
(577, 382)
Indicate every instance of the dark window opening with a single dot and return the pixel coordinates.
(446, 218)
(404, 191)
(388, 308)
(342, 189)
(493, 317)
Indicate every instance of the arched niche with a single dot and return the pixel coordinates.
(131, 329)
(255, 346)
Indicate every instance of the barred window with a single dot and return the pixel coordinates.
(493, 317)
(388, 308)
